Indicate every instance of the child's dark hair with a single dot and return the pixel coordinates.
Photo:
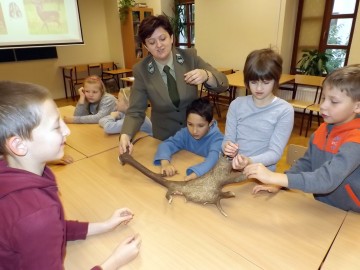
(150, 23)
(264, 64)
(201, 107)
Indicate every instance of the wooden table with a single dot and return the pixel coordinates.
(237, 79)
(288, 230)
(127, 80)
(344, 253)
(88, 139)
(116, 72)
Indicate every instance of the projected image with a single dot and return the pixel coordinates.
(3, 30)
(26, 23)
(46, 16)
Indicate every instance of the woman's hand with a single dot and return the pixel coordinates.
(197, 76)
(125, 144)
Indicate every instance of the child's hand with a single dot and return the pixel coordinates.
(260, 172)
(66, 159)
(167, 169)
(240, 162)
(81, 92)
(115, 115)
(268, 188)
(230, 149)
(190, 176)
(124, 253)
(122, 215)
(68, 119)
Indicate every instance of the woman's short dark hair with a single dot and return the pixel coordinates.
(264, 64)
(150, 23)
(201, 107)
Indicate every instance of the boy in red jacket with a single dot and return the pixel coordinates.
(33, 231)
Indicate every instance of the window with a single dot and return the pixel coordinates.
(338, 28)
(327, 26)
(185, 38)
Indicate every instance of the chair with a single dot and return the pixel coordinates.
(223, 98)
(313, 108)
(77, 76)
(294, 152)
(110, 80)
(305, 80)
(106, 67)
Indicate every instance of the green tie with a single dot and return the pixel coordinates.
(172, 88)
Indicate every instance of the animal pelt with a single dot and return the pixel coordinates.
(206, 189)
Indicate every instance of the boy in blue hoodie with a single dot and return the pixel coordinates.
(201, 136)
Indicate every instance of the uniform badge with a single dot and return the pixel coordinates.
(179, 58)
(151, 68)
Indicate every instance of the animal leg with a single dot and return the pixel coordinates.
(169, 197)
(227, 194)
(218, 205)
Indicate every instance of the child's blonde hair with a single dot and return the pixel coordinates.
(346, 79)
(94, 79)
(126, 93)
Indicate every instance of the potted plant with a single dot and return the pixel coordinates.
(124, 6)
(176, 23)
(314, 63)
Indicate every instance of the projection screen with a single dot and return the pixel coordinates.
(36, 23)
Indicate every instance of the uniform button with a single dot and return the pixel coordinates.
(180, 123)
(177, 110)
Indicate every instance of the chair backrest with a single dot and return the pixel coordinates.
(108, 66)
(310, 80)
(295, 152)
(81, 72)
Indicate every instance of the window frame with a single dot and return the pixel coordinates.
(325, 29)
(189, 25)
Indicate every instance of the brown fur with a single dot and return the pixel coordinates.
(206, 189)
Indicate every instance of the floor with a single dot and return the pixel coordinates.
(294, 139)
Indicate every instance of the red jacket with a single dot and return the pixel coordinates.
(33, 232)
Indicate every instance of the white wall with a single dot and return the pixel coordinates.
(226, 31)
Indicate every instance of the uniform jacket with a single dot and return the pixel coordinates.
(149, 85)
(208, 146)
(33, 232)
(331, 166)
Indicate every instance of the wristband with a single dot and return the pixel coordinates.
(207, 74)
